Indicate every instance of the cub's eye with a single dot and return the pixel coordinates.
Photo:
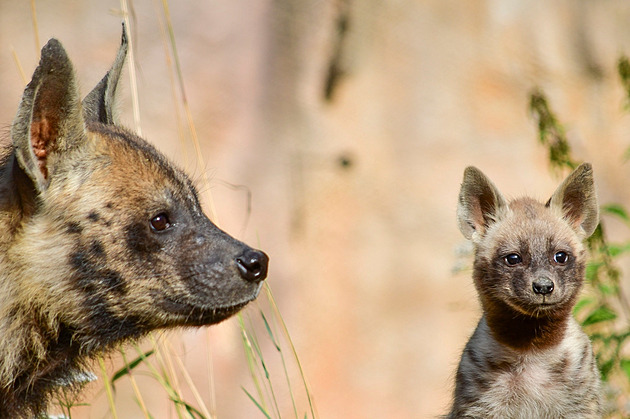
(160, 222)
(561, 258)
(513, 259)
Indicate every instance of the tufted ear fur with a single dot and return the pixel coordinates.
(577, 201)
(98, 105)
(479, 203)
(49, 118)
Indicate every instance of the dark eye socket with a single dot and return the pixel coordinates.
(160, 222)
(561, 257)
(513, 259)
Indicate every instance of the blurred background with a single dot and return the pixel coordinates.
(349, 124)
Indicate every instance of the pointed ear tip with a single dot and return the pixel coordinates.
(585, 167)
(52, 46)
(471, 172)
(586, 171)
(51, 42)
(124, 33)
(53, 55)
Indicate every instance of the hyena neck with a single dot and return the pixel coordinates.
(522, 332)
(47, 358)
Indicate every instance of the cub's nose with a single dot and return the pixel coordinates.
(252, 265)
(542, 286)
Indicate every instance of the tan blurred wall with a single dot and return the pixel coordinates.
(363, 253)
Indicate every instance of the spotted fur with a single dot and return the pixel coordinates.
(528, 357)
(102, 239)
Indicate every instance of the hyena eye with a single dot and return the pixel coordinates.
(160, 222)
(513, 259)
(561, 258)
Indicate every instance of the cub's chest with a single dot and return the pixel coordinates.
(522, 378)
(528, 386)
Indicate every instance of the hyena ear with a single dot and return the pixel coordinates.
(98, 105)
(479, 203)
(577, 200)
(49, 118)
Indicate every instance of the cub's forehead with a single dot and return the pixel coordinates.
(528, 209)
(529, 224)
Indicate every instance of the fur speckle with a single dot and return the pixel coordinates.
(94, 216)
(74, 228)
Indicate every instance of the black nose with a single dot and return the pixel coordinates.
(252, 265)
(543, 286)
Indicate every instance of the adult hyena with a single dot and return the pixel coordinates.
(528, 357)
(102, 239)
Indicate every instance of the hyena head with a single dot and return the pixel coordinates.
(529, 256)
(112, 241)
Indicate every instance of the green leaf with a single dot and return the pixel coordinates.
(592, 268)
(607, 289)
(581, 304)
(617, 249)
(601, 314)
(625, 366)
(616, 210)
(605, 368)
(623, 68)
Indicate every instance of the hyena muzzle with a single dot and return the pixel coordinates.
(102, 239)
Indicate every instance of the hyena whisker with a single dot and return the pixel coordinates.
(203, 180)
(248, 197)
(102, 240)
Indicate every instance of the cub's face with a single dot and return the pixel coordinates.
(530, 259)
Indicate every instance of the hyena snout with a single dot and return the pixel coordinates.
(252, 265)
(542, 286)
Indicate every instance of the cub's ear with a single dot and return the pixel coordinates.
(49, 119)
(479, 204)
(98, 105)
(576, 200)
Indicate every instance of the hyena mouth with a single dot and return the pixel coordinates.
(532, 308)
(542, 308)
(185, 314)
(551, 301)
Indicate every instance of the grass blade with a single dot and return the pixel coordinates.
(108, 388)
(287, 336)
(134, 384)
(130, 366)
(264, 412)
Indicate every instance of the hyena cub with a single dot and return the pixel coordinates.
(528, 358)
(102, 239)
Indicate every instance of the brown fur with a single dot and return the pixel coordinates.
(101, 239)
(528, 357)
